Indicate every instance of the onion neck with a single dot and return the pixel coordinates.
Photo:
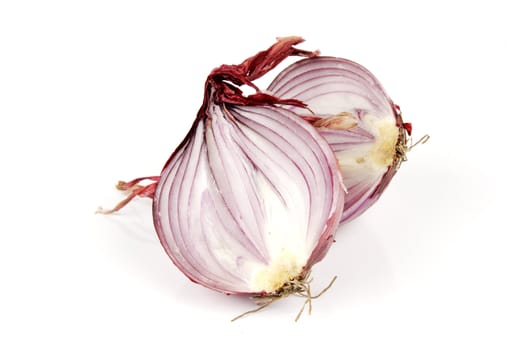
(223, 83)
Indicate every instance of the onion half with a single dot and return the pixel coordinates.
(252, 197)
(353, 112)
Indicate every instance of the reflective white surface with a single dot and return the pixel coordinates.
(96, 92)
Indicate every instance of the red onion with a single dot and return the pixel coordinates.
(251, 199)
(353, 112)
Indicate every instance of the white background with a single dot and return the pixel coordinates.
(96, 91)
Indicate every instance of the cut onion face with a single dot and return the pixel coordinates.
(250, 202)
(352, 111)
(252, 197)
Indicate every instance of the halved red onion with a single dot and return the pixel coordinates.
(250, 201)
(252, 197)
(353, 112)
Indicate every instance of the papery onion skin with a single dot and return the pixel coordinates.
(252, 197)
(350, 108)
